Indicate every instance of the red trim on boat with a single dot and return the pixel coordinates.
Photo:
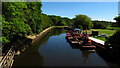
(88, 46)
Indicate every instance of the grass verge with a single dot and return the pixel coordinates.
(102, 31)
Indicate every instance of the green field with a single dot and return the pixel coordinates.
(59, 26)
(113, 28)
(103, 31)
(109, 32)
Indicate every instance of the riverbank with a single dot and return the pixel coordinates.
(43, 33)
(20, 46)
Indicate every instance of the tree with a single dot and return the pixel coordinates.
(25, 18)
(27, 12)
(117, 20)
(67, 21)
(46, 21)
(83, 20)
(15, 30)
(20, 19)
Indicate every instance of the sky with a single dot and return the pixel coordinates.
(95, 10)
(80, 0)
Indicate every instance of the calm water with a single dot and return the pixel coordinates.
(54, 50)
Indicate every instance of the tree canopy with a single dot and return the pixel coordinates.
(25, 18)
(84, 21)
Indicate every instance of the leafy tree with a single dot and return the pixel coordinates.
(55, 19)
(24, 18)
(27, 12)
(20, 19)
(67, 21)
(117, 21)
(60, 23)
(5, 40)
(45, 21)
(80, 27)
(33, 13)
(84, 21)
(12, 10)
(14, 30)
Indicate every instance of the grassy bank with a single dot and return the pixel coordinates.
(113, 28)
(104, 31)
(59, 26)
(108, 32)
(35, 37)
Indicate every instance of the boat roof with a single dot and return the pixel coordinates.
(77, 29)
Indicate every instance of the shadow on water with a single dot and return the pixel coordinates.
(31, 56)
(112, 52)
(110, 57)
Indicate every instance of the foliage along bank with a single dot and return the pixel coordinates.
(20, 19)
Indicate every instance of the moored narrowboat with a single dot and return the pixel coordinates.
(76, 37)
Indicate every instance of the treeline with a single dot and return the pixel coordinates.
(52, 20)
(101, 24)
(85, 22)
(20, 19)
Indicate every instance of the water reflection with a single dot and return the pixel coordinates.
(31, 56)
(86, 54)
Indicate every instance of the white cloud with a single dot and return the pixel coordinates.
(104, 20)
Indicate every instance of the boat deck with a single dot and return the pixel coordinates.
(97, 40)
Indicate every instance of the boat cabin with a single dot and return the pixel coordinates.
(77, 31)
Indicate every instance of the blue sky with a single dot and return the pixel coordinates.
(95, 10)
(80, 0)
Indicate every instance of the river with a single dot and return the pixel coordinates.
(54, 50)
